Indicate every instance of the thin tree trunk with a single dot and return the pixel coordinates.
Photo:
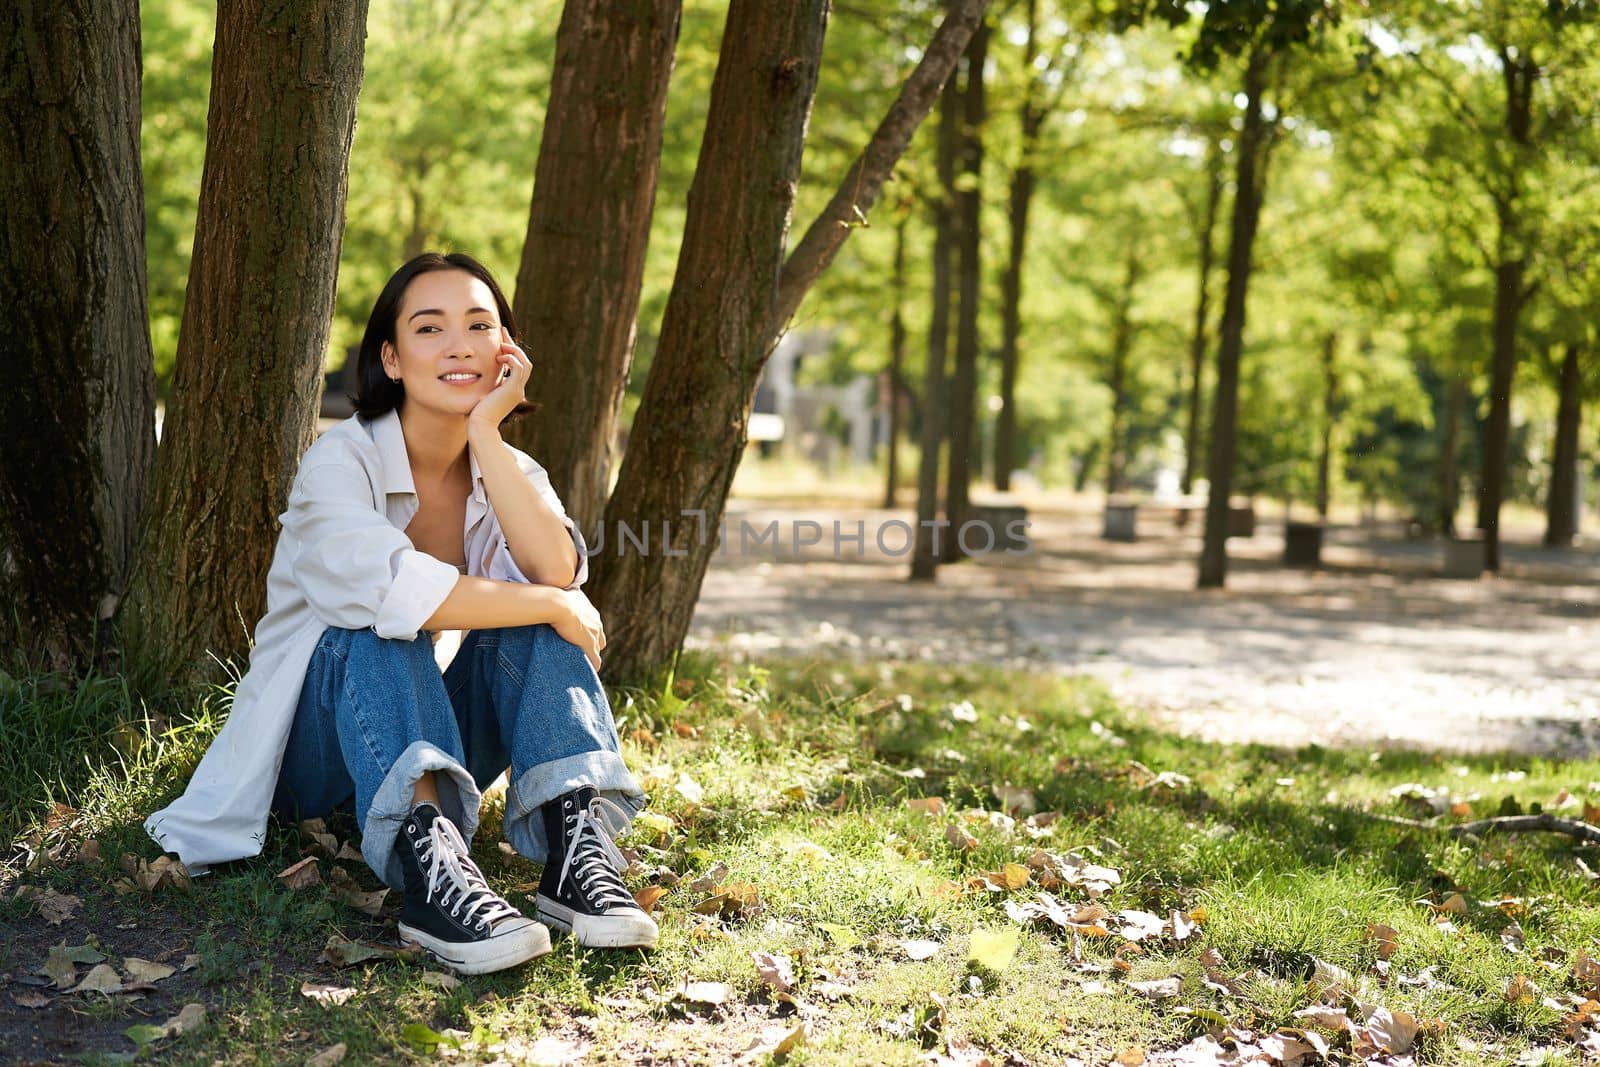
(1202, 314)
(1561, 507)
(1248, 190)
(1519, 75)
(897, 356)
(1449, 476)
(1330, 401)
(285, 77)
(863, 182)
(1030, 119)
(1122, 331)
(577, 296)
(928, 544)
(692, 423)
(964, 384)
(77, 385)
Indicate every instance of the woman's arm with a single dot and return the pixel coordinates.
(536, 535)
(481, 604)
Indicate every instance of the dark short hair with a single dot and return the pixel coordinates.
(377, 393)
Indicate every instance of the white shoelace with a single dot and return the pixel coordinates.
(450, 865)
(595, 856)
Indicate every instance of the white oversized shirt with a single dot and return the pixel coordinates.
(342, 559)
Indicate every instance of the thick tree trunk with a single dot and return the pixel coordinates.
(77, 386)
(577, 296)
(929, 542)
(284, 82)
(1520, 76)
(692, 423)
(1248, 190)
(863, 182)
(1202, 315)
(964, 383)
(1023, 182)
(897, 358)
(1449, 475)
(1330, 402)
(1561, 507)
(1122, 331)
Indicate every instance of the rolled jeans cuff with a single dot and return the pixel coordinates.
(603, 769)
(458, 801)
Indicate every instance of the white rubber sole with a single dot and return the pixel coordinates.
(509, 946)
(629, 930)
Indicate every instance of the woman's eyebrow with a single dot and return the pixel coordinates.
(438, 311)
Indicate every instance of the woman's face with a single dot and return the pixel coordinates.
(446, 339)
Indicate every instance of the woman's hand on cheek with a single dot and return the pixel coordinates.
(512, 370)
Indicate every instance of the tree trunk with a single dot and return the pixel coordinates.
(1449, 476)
(692, 422)
(1121, 346)
(1248, 190)
(964, 383)
(77, 385)
(897, 357)
(1519, 75)
(928, 543)
(1330, 401)
(284, 82)
(1561, 507)
(862, 183)
(1202, 314)
(577, 296)
(1030, 119)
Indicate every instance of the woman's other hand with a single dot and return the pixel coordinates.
(513, 368)
(581, 625)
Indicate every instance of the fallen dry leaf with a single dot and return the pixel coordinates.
(342, 952)
(54, 908)
(648, 897)
(145, 971)
(162, 873)
(958, 838)
(1329, 1018)
(326, 994)
(928, 805)
(708, 881)
(1132, 1056)
(328, 1057)
(1159, 989)
(713, 993)
(776, 971)
(102, 978)
(1138, 925)
(88, 851)
(1386, 938)
(302, 874)
(1393, 1032)
(1521, 990)
(440, 980)
(31, 1000)
(917, 949)
(189, 1019)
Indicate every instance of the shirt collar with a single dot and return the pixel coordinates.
(391, 442)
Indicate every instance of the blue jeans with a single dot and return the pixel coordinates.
(375, 714)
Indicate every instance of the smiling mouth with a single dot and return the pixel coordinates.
(460, 377)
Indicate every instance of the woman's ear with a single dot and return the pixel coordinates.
(391, 361)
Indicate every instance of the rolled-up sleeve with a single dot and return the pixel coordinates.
(355, 569)
(501, 566)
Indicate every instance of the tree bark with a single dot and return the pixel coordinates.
(1330, 402)
(577, 295)
(964, 384)
(1202, 314)
(897, 358)
(1122, 330)
(1449, 476)
(285, 77)
(1519, 75)
(692, 423)
(1561, 507)
(77, 385)
(863, 182)
(1248, 190)
(928, 541)
(1030, 120)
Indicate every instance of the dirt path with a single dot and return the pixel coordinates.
(1373, 649)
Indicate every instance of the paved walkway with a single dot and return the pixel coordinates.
(1373, 649)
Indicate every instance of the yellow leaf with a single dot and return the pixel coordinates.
(994, 949)
(1015, 875)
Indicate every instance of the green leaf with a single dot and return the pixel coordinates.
(842, 936)
(143, 1034)
(419, 1035)
(994, 949)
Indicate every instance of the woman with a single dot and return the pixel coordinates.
(410, 517)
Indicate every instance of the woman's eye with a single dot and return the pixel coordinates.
(425, 328)
(485, 325)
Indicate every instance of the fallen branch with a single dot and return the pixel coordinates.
(1503, 824)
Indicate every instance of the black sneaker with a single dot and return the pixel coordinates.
(581, 890)
(450, 910)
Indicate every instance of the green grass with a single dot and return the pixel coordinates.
(803, 775)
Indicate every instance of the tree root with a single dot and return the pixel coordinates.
(1544, 821)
